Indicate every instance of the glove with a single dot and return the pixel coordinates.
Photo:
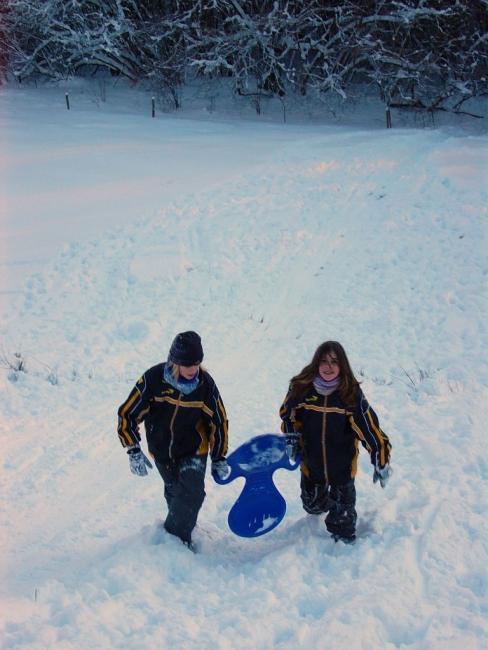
(138, 461)
(292, 445)
(382, 474)
(220, 468)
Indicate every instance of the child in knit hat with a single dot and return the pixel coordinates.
(185, 420)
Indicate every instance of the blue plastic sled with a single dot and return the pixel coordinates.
(260, 507)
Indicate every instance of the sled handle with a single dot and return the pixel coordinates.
(235, 472)
(240, 466)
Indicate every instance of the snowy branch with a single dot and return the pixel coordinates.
(410, 50)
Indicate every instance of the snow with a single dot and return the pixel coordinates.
(118, 231)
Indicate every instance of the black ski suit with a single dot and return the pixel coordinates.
(180, 430)
(330, 432)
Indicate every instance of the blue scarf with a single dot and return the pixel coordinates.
(325, 387)
(185, 386)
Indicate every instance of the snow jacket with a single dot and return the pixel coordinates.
(330, 432)
(177, 425)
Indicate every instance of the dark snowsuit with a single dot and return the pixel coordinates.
(184, 491)
(330, 432)
(180, 431)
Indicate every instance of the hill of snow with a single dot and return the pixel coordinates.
(119, 231)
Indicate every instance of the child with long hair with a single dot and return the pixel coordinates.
(324, 416)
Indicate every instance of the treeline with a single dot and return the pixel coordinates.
(424, 53)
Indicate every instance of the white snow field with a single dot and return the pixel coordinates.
(118, 231)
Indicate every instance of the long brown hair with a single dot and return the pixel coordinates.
(349, 385)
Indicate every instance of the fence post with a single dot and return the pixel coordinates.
(284, 109)
(153, 107)
(388, 118)
(67, 101)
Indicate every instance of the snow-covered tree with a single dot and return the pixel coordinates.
(3, 43)
(417, 53)
(423, 53)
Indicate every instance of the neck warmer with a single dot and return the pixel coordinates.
(185, 386)
(325, 387)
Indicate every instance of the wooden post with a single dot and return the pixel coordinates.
(284, 109)
(67, 101)
(388, 118)
(153, 105)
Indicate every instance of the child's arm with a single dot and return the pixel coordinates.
(219, 424)
(365, 424)
(289, 426)
(287, 415)
(132, 412)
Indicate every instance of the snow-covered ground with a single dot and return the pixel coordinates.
(119, 231)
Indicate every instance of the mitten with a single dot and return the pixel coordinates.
(220, 468)
(138, 461)
(292, 445)
(382, 474)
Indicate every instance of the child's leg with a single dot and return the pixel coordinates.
(315, 499)
(341, 518)
(169, 474)
(187, 496)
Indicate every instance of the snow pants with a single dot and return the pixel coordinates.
(315, 496)
(184, 491)
(342, 516)
(339, 501)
